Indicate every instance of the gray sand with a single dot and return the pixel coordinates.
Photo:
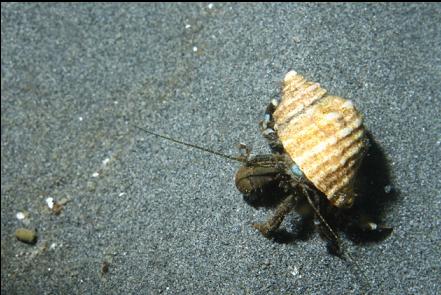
(167, 219)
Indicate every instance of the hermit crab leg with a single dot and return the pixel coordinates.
(267, 128)
(244, 151)
(274, 222)
(317, 213)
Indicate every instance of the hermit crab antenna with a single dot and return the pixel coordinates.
(238, 159)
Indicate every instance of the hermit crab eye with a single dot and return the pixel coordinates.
(295, 169)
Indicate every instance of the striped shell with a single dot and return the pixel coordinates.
(323, 135)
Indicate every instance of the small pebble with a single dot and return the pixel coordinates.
(295, 271)
(266, 264)
(105, 267)
(388, 189)
(91, 186)
(27, 236)
(50, 202)
(57, 208)
(372, 225)
(20, 216)
(106, 161)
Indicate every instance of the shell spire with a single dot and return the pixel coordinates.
(323, 135)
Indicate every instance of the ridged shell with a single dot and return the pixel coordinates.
(323, 135)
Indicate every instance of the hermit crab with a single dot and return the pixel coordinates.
(318, 142)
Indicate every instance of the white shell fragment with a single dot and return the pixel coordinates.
(20, 215)
(50, 202)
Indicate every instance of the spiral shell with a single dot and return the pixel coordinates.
(323, 135)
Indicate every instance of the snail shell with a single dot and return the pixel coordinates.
(323, 135)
